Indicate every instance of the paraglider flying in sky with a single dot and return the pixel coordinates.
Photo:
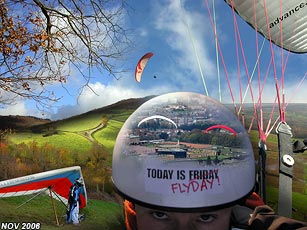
(141, 65)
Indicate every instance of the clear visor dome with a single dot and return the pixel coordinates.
(183, 151)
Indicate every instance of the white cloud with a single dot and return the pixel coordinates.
(18, 108)
(102, 95)
(186, 33)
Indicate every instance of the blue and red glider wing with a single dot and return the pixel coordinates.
(59, 180)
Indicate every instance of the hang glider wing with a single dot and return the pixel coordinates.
(141, 65)
(282, 22)
(59, 180)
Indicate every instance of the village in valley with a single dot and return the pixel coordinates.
(183, 136)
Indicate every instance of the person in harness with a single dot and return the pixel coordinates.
(74, 202)
(183, 161)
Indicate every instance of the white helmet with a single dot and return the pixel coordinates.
(79, 181)
(182, 151)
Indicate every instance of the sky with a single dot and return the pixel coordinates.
(180, 35)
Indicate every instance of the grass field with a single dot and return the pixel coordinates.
(66, 140)
(98, 214)
(71, 135)
(299, 203)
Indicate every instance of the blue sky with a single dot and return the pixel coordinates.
(180, 35)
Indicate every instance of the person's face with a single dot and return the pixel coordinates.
(151, 219)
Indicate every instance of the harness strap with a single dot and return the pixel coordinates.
(286, 163)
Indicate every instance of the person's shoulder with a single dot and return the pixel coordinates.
(264, 217)
(240, 216)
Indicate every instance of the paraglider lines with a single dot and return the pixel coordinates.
(197, 58)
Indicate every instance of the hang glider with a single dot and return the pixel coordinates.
(282, 22)
(58, 181)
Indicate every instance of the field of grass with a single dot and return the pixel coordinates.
(80, 123)
(107, 135)
(65, 140)
(98, 214)
(72, 133)
(298, 205)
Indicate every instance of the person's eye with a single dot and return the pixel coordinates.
(159, 215)
(207, 218)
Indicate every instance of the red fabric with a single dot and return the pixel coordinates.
(253, 201)
(130, 215)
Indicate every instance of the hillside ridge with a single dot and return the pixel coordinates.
(23, 123)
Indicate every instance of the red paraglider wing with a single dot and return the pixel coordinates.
(221, 127)
(141, 65)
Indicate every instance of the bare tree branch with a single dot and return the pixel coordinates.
(46, 41)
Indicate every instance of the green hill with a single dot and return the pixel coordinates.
(76, 133)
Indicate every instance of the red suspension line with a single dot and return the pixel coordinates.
(259, 122)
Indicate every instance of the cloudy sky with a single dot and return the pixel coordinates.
(180, 35)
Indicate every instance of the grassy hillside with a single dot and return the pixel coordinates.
(20, 123)
(98, 214)
(78, 132)
(73, 132)
(296, 117)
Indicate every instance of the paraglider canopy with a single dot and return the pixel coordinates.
(282, 22)
(141, 65)
(157, 117)
(220, 127)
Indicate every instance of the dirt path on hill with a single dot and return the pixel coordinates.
(88, 134)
